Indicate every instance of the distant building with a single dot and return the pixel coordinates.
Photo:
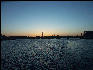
(42, 34)
(18, 37)
(37, 37)
(3, 37)
(81, 34)
(88, 34)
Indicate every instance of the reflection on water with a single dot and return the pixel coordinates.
(47, 54)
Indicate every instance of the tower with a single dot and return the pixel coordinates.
(42, 34)
(81, 34)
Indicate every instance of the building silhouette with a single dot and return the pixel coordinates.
(42, 34)
(88, 34)
(85, 35)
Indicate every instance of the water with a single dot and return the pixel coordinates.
(47, 54)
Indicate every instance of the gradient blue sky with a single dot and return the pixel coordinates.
(51, 17)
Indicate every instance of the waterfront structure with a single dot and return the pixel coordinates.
(88, 34)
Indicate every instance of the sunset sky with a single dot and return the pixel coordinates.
(31, 18)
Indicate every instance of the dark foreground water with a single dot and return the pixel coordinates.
(47, 54)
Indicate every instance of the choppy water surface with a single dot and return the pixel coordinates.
(47, 54)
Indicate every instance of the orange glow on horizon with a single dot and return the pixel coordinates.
(40, 34)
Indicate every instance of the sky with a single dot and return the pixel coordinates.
(31, 18)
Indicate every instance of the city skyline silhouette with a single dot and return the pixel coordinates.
(51, 17)
(46, 35)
